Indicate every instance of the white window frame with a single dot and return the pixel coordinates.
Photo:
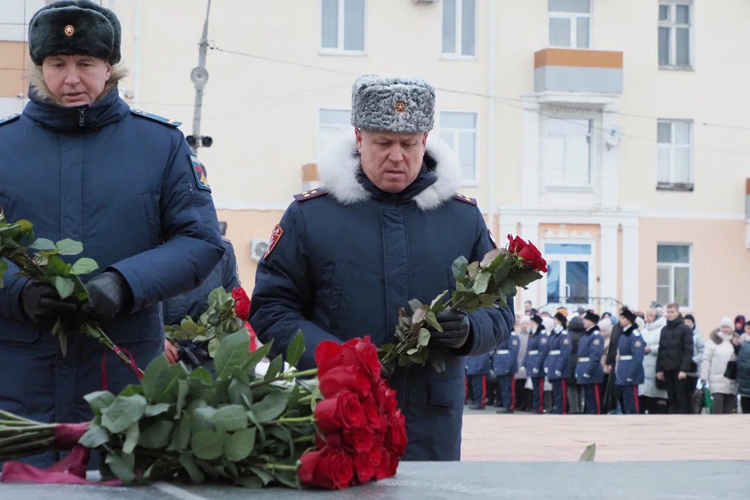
(672, 24)
(564, 258)
(671, 147)
(573, 17)
(457, 54)
(340, 50)
(318, 145)
(592, 153)
(671, 267)
(477, 141)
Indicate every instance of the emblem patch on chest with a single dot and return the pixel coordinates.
(276, 235)
(201, 178)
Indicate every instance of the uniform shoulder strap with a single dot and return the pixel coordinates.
(9, 119)
(310, 195)
(465, 199)
(156, 118)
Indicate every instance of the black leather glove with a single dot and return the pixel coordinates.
(456, 328)
(191, 353)
(41, 302)
(109, 293)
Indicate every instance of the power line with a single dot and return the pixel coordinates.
(459, 92)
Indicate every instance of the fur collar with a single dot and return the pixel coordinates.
(338, 166)
(42, 93)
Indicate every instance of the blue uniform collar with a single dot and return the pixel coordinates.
(110, 109)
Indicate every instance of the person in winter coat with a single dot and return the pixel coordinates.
(384, 228)
(505, 364)
(674, 358)
(557, 365)
(523, 395)
(742, 351)
(719, 352)
(193, 304)
(477, 370)
(653, 400)
(739, 325)
(699, 345)
(534, 362)
(589, 371)
(575, 391)
(80, 164)
(629, 368)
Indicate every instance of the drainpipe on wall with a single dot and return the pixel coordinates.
(137, 55)
(491, 120)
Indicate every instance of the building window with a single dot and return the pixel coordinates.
(14, 19)
(675, 154)
(568, 152)
(675, 34)
(459, 131)
(673, 275)
(342, 26)
(569, 23)
(460, 28)
(331, 124)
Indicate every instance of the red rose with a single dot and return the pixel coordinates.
(327, 356)
(366, 355)
(242, 303)
(371, 412)
(396, 437)
(393, 461)
(384, 467)
(327, 468)
(533, 258)
(376, 454)
(385, 397)
(364, 468)
(359, 440)
(342, 412)
(332, 440)
(343, 378)
(516, 244)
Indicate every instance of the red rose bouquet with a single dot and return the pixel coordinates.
(488, 283)
(337, 430)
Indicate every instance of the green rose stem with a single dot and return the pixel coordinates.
(286, 376)
(32, 269)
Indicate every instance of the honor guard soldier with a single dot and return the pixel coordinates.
(589, 370)
(478, 369)
(80, 164)
(536, 354)
(384, 228)
(630, 352)
(557, 366)
(505, 364)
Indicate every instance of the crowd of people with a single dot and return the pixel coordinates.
(652, 362)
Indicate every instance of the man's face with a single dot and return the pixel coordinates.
(76, 80)
(624, 322)
(672, 313)
(587, 324)
(689, 322)
(391, 161)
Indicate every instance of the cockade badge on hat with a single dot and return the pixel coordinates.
(69, 30)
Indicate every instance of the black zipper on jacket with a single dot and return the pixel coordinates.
(81, 115)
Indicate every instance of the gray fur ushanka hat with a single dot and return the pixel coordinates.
(74, 27)
(400, 105)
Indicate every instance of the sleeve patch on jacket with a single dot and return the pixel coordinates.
(199, 170)
(465, 199)
(566, 341)
(638, 343)
(276, 235)
(515, 342)
(543, 341)
(596, 341)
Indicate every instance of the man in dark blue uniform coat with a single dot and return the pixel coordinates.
(536, 354)
(589, 370)
(505, 363)
(80, 164)
(478, 369)
(629, 371)
(384, 228)
(557, 366)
